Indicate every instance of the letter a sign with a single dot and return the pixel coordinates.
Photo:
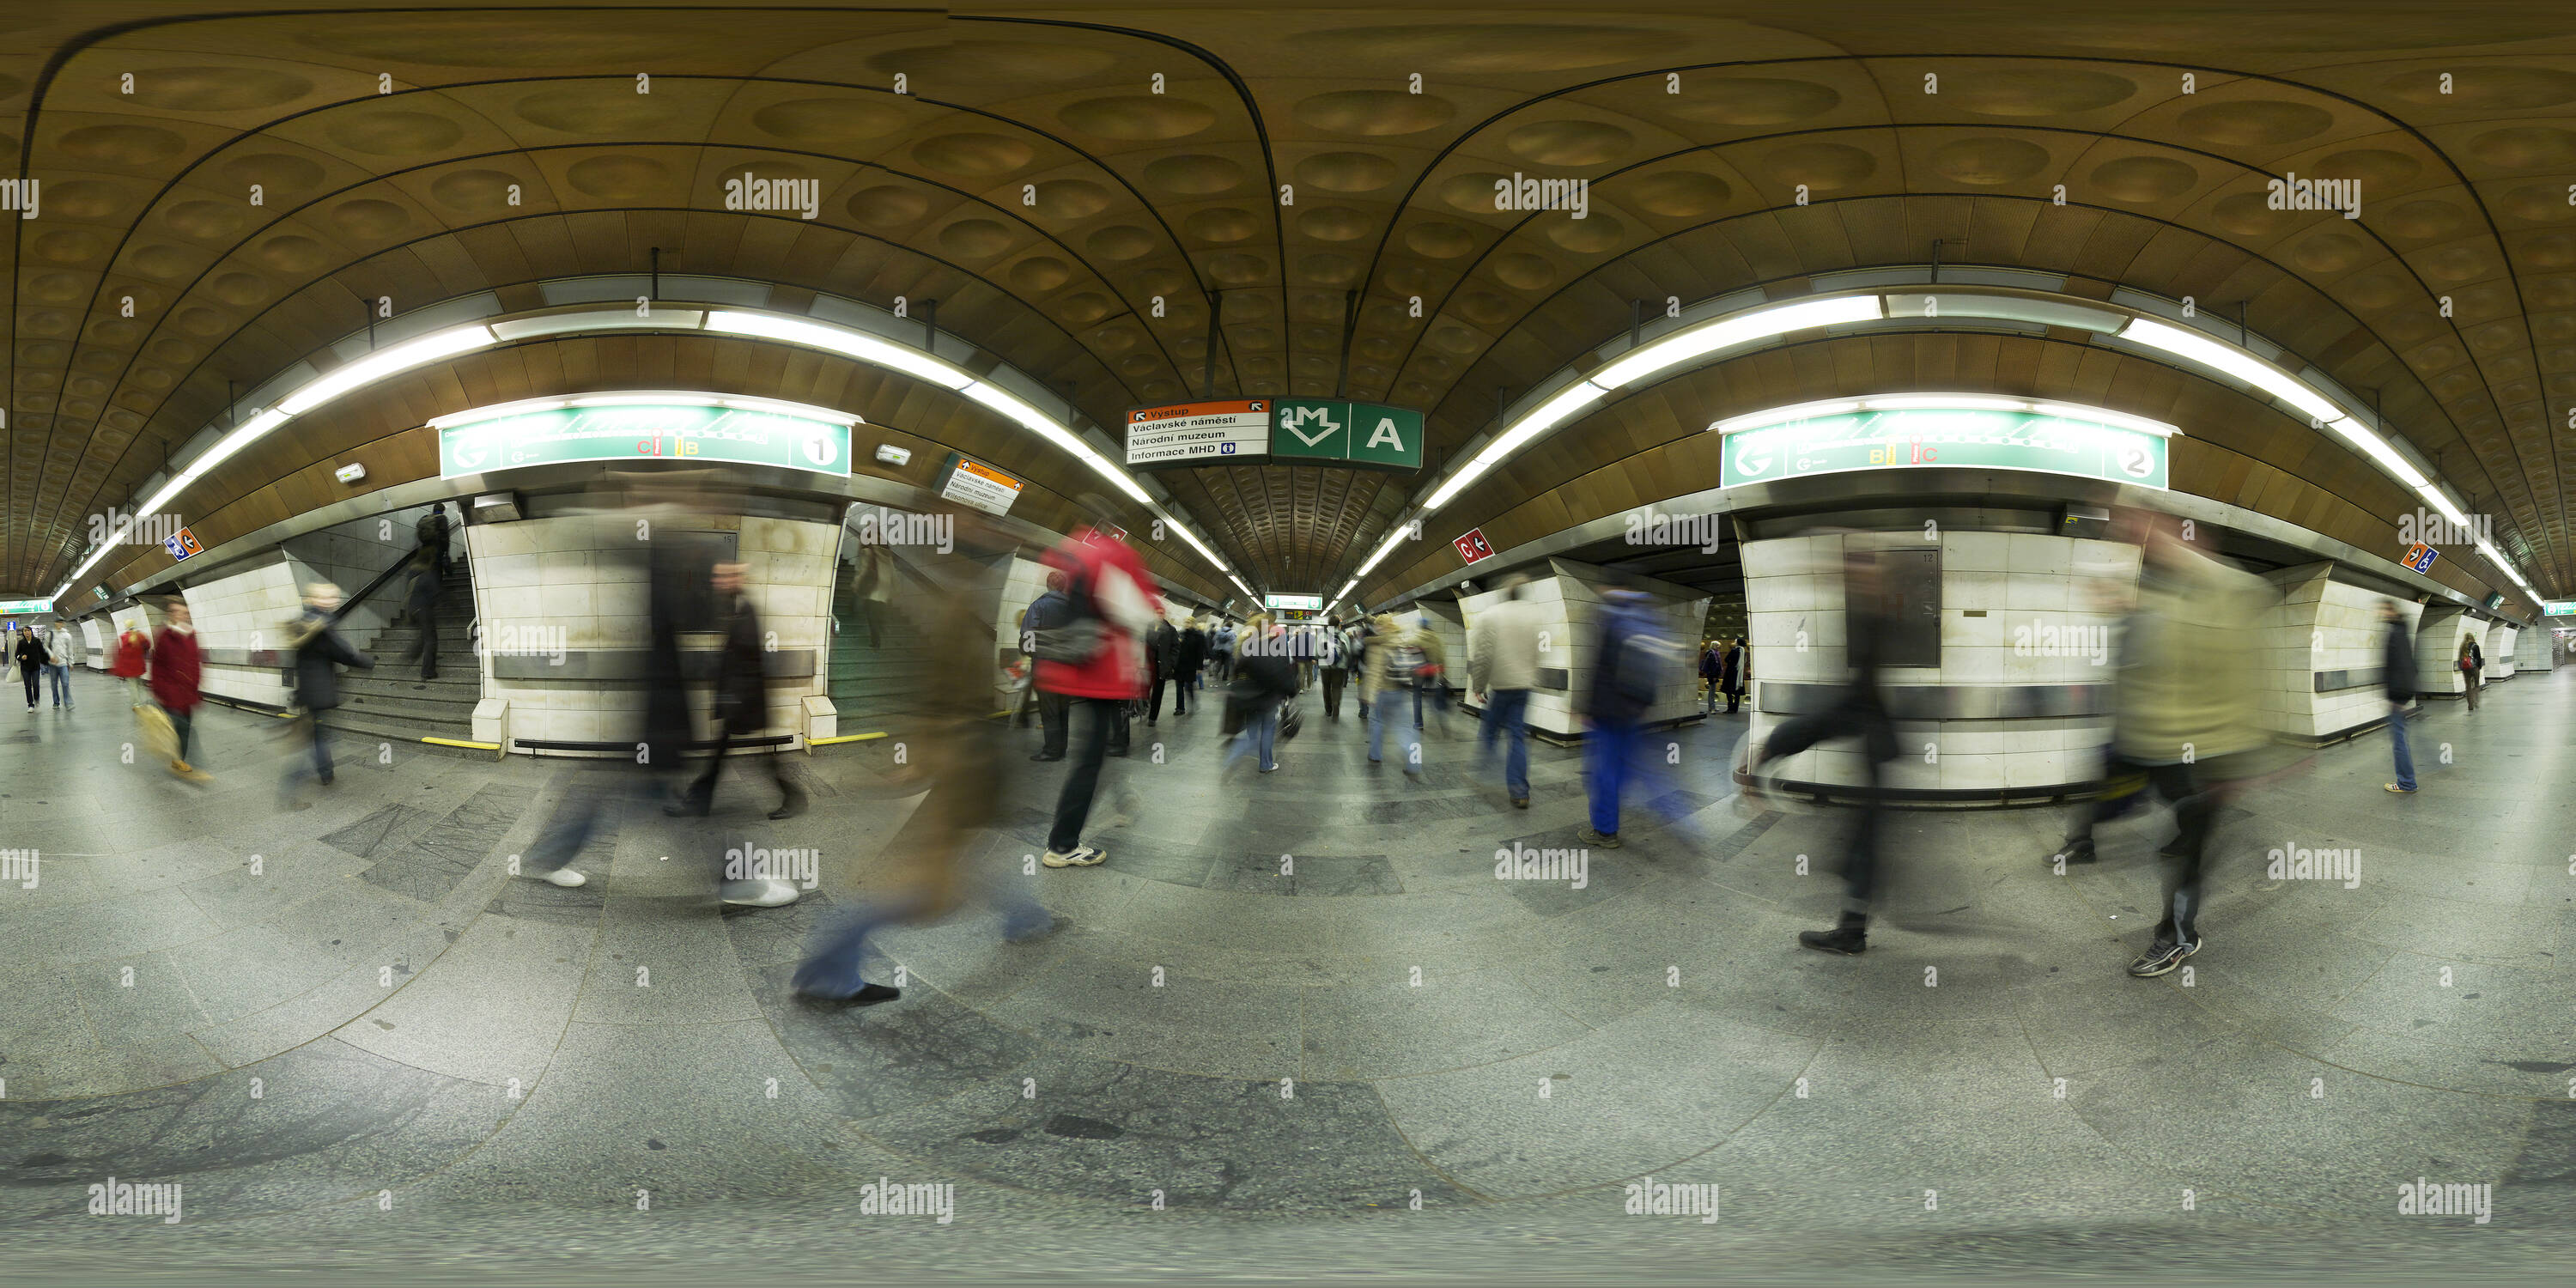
(1349, 433)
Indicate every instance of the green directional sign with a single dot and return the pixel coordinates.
(2558, 608)
(644, 431)
(1347, 433)
(1943, 437)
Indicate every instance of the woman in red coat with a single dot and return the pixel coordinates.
(132, 649)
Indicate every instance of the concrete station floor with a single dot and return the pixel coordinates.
(380, 1054)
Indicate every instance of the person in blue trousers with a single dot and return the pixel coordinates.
(2397, 684)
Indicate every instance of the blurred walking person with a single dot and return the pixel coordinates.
(1163, 661)
(421, 597)
(431, 532)
(1387, 667)
(1858, 710)
(1194, 652)
(935, 855)
(178, 671)
(319, 653)
(1502, 665)
(133, 652)
(1708, 675)
(1735, 672)
(1050, 611)
(61, 646)
(1431, 680)
(32, 660)
(2397, 684)
(1265, 678)
(741, 708)
(1096, 663)
(1628, 668)
(1333, 667)
(2473, 670)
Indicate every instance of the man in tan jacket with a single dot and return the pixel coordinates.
(1502, 666)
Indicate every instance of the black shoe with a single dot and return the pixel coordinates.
(868, 995)
(1042, 756)
(2074, 852)
(690, 807)
(2162, 957)
(1520, 802)
(1850, 941)
(788, 808)
(1600, 841)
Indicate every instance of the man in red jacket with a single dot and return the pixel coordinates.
(176, 670)
(1113, 596)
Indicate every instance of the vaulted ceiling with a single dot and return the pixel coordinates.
(1072, 182)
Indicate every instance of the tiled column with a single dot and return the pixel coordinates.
(2536, 649)
(248, 610)
(2323, 625)
(2437, 650)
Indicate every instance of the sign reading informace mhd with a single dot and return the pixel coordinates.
(1953, 437)
(1190, 433)
(644, 431)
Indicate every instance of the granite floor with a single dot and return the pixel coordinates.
(1296, 1027)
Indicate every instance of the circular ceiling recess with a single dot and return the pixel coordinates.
(1989, 162)
(833, 122)
(1677, 194)
(2144, 180)
(1822, 167)
(1486, 48)
(1570, 143)
(2255, 122)
(2034, 91)
(216, 89)
(604, 111)
(973, 156)
(1351, 172)
(390, 134)
(1750, 100)
(619, 176)
(476, 191)
(1138, 117)
(1194, 175)
(1374, 112)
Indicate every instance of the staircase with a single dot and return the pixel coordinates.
(392, 701)
(873, 687)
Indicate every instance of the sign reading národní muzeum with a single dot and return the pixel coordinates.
(1939, 437)
(699, 435)
(1300, 431)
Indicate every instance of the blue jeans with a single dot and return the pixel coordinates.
(2397, 739)
(1386, 709)
(321, 767)
(1260, 733)
(61, 676)
(1609, 755)
(1507, 714)
(838, 954)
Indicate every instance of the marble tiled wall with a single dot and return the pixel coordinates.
(2016, 609)
(2323, 625)
(2536, 649)
(349, 555)
(2501, 647)
(587, 576)
(247, 610)
(2437, 649)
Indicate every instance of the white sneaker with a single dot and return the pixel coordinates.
(565, 877)
(1080, 856)
(760, 893)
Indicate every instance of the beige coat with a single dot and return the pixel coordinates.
(2189, 683)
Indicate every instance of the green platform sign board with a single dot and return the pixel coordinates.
(1346, 433)
(2558, 608)
(678, 432)
(19, 607)
(1944, 438)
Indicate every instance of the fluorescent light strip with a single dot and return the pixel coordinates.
(2219, 356)
(1727, 333)
(2378, 449)
(841, 340)
(382, 363)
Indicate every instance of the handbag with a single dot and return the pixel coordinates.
(1290, 719)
